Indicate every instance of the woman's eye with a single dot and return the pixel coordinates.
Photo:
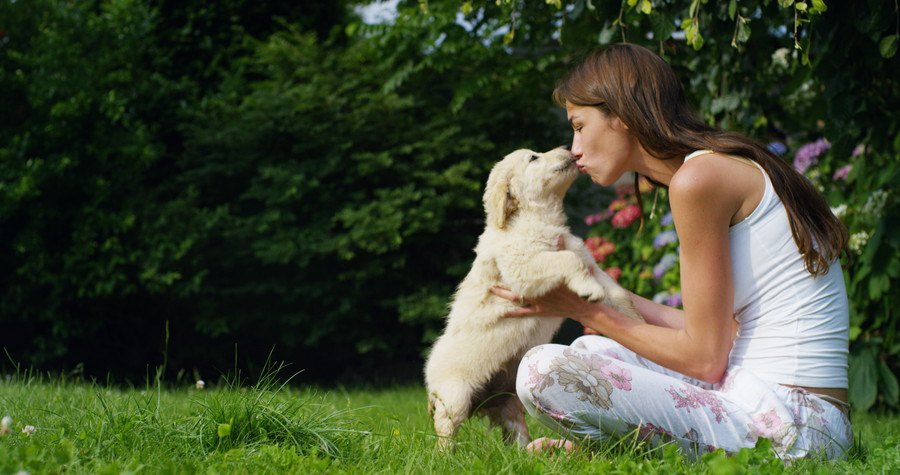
(533, 158)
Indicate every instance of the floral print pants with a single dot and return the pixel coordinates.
(596, 389)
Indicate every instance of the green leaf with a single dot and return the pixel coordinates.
(645, 7)
(663, 25)
(800, 6)
(743, 33)
(732, 8)
(890, 389)
(224, 430)
(692, 33)
(878, 286)
(785, 3)
(607, 33)
(888, 46)
(818, 6)
(863, 380)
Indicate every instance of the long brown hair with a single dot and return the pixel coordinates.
(641, 89)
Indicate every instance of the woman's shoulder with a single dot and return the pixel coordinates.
(711, 180)
(702, 174)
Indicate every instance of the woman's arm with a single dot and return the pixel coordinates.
(658, 314)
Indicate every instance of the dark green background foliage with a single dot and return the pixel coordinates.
(281, 174)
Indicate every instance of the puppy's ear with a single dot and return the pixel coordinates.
(499, 203)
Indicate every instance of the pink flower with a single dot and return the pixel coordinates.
(613, 272)
(618, 204)
(624, 217)
(766, 424)
(599, 248)
(842, 173)
(619, 377)
(595, 218)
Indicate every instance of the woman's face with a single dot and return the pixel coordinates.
(601, 144)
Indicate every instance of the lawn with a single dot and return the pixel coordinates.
(269, 427)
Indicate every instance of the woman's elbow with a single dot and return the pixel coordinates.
(713, 371)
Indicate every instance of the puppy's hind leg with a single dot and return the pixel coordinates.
(449, 407)
(510, 416)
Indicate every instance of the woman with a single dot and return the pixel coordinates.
(761, 347)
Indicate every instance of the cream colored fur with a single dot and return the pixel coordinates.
(472, 366)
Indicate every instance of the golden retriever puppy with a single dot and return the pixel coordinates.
(472, 366)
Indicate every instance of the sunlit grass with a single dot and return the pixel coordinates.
(272, 427)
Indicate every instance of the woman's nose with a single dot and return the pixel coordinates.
(575, 148)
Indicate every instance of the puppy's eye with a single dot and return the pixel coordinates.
(533, 158)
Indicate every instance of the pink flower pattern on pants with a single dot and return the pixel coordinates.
(766, 424)
(693, 398)
(619, 377)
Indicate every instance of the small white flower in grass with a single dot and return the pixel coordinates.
(200, 384)
(28, 430)
(5, 425)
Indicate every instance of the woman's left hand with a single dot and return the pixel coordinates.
(559, 302)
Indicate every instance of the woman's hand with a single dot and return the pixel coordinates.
(559, 302)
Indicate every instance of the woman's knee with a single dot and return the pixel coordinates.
(596, 343)
(532, 369)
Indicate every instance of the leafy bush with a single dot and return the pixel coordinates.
(343, 188)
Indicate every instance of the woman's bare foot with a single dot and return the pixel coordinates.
(545, 444)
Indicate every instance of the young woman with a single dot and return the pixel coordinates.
(761, 347)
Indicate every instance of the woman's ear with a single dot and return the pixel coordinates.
(618, 124)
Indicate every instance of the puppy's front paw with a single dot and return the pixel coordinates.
(588, 289)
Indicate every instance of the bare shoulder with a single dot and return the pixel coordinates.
(711, 183)
(701, 177)
(723, 183)
(712, 175)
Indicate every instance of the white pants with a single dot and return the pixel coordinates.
(596, 388)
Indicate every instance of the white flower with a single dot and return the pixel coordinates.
(5, 425)
(840, 211)
(779, 57)
(28, 430)
(200, 384)
(858, 241)
(875, 204)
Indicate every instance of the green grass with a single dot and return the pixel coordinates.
(271, 428)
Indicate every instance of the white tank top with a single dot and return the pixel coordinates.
(793, 326)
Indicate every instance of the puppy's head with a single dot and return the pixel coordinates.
(525, 177)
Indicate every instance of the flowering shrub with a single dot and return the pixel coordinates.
(645, 261)
(859, 187)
